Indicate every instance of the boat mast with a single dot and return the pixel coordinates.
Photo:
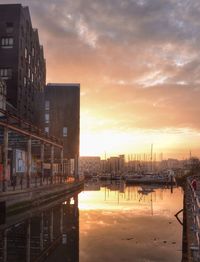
(151, 157)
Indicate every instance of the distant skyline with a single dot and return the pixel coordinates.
(138, 63)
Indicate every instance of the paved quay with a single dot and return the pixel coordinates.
(192, 218)
(20, 199)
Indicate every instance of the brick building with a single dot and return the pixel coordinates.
(62, 117)
(22, 63)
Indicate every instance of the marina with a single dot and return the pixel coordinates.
(99, 131)
(140, 178)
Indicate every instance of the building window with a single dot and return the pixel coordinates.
(25, 53)
(7, 42)
(33, 51)
(25, 81)
(46, 118)
(47, 105)
(32, 78)
(29, 59)
(6, 73)
(9, 27)
(46, 129)
(22, 31)
(64, 131)
(29, 73)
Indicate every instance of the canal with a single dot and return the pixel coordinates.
(108, 221)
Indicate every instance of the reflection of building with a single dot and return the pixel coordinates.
(89, 165)
(50, 235)
(62, 116)
(22, 63)
(92, 185)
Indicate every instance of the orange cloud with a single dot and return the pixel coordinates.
(138, 63)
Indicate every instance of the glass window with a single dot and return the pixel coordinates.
(6, 73)
(22, 61)
(47, 105)
(29, 73)
(10, 40)
(7, 42)
(64, 131)
(25, 53)
(46, 118)
(22, 30)
(46, 129)
(25, 81)
(9, 27)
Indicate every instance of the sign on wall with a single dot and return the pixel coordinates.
(20, 161)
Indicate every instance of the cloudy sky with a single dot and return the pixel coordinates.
(138, 62)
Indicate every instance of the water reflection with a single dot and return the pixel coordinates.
(134, 223)
(106, 222)
(37, 237)
(141, 198)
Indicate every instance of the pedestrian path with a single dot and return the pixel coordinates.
(27, 194)
(193, 218)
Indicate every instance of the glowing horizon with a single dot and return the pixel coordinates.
(138, 66)
(169, 144)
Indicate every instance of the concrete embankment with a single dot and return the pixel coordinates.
(21, 200)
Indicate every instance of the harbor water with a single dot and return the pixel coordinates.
(108, 221)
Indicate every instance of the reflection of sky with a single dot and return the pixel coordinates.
(127, 231)
(160, 200)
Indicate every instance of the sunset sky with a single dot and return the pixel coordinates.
(138, 62)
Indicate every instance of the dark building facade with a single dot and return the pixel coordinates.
(22, 63)
(2, 95)
(62, 115)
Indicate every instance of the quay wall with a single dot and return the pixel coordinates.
(23, 200)
(191, 219)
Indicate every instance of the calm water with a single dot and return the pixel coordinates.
(130, 224)
(106, 222)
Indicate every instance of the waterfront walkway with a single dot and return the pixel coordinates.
(192, 206)
(35, 182)
(14, 195)
(20, 200)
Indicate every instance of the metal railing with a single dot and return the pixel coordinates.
(19, 182)
(23, 135)
(195, 212)
(26, 128)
